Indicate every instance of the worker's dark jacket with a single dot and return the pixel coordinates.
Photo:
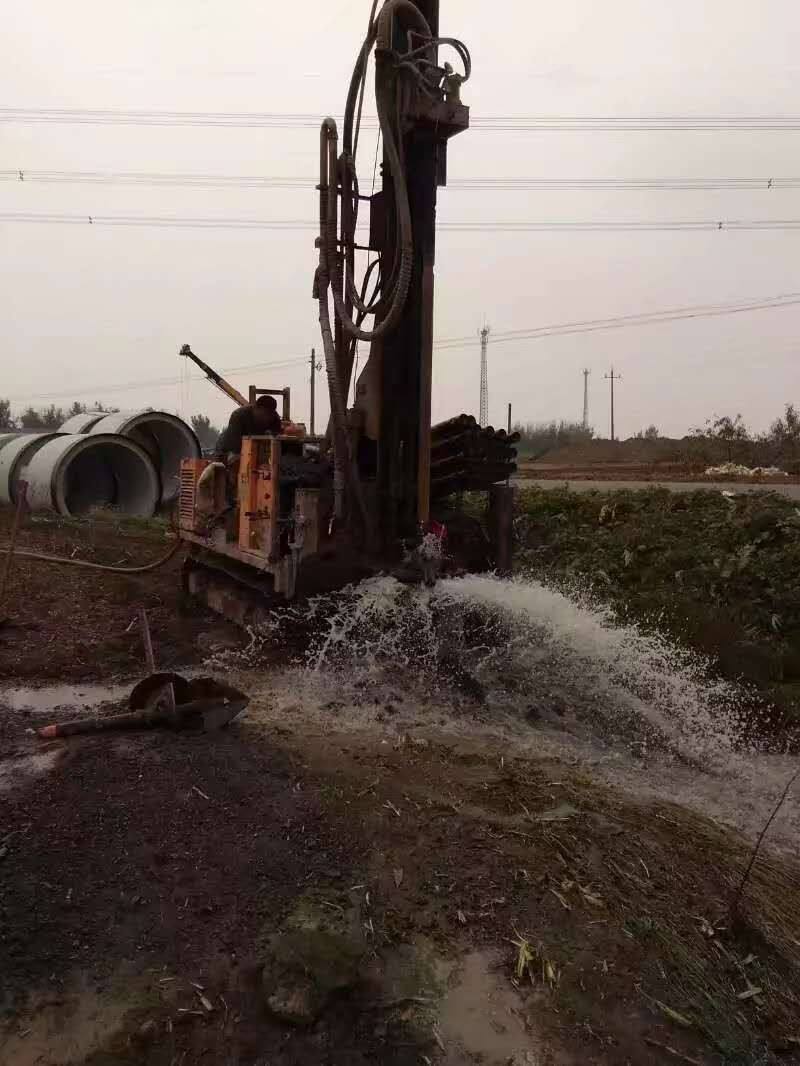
(243, 423)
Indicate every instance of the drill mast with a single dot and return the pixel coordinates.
(382, 450)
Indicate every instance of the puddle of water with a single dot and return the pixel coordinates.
(68, 1029)
(13, 772)
(480, 1016)
(51, 698)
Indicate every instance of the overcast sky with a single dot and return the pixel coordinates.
(85, 308)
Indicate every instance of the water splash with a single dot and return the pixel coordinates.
(639, 685)
(522, 664)
(523, 650)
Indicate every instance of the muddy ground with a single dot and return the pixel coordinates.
(552, 920)
(73, 624)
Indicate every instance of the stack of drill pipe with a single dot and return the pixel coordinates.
(469, 457)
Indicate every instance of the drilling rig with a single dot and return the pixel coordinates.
(304, 514)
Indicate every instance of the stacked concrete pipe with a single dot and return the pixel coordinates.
(128, 462)
(14, 459)
(166, 438)
(74, 474)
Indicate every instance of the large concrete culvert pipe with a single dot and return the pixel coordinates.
(82, 423)
(15, 455)
(165, 437)
(6, 438)
(76, 473)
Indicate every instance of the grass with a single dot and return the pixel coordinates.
(104, 519)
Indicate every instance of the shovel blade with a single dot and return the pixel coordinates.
(221, 715)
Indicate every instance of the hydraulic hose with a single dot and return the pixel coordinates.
(143, 569)
(393, 299)
(343, 463)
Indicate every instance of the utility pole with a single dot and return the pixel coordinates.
(483, 414)
(313, 372)
(612, 377)
(509, 420)
(586, 374)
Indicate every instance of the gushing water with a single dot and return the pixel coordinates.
(523, 661)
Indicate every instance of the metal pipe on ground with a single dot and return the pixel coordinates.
(453, 425)
(73, 474)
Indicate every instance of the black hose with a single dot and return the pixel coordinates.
(143, 569)
(390, 305)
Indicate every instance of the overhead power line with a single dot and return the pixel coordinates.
(501, 226)
(130, 386)
(485, 184)
(278, 120)
(646, 318)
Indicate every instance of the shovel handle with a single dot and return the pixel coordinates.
(21, 490)
(150, 658)
(134, 720)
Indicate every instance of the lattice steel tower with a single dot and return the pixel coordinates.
(483, 415)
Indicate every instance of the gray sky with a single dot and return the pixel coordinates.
(86, 306)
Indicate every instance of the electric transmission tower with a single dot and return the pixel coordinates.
(483, 415)
(586, 374)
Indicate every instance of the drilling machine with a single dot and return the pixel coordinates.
(314, 513)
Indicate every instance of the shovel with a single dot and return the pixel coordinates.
(163, 700)
(216, 708)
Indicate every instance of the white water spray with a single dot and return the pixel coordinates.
(540, 670)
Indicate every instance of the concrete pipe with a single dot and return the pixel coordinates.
(14, 459)
(77, 473)
(82, 423)
(165, 437)
(6, 438)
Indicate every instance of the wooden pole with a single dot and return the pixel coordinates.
(22, 489)
(146, 640)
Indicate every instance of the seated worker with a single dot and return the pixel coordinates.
(255, 420)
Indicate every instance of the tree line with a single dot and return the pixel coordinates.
(779, 444)
(726, 435)
(721, 436)
(44, 418)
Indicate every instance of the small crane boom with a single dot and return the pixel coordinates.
(214, 377)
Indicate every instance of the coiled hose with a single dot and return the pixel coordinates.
(393, 299)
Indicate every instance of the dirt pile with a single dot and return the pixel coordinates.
(634, 450)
